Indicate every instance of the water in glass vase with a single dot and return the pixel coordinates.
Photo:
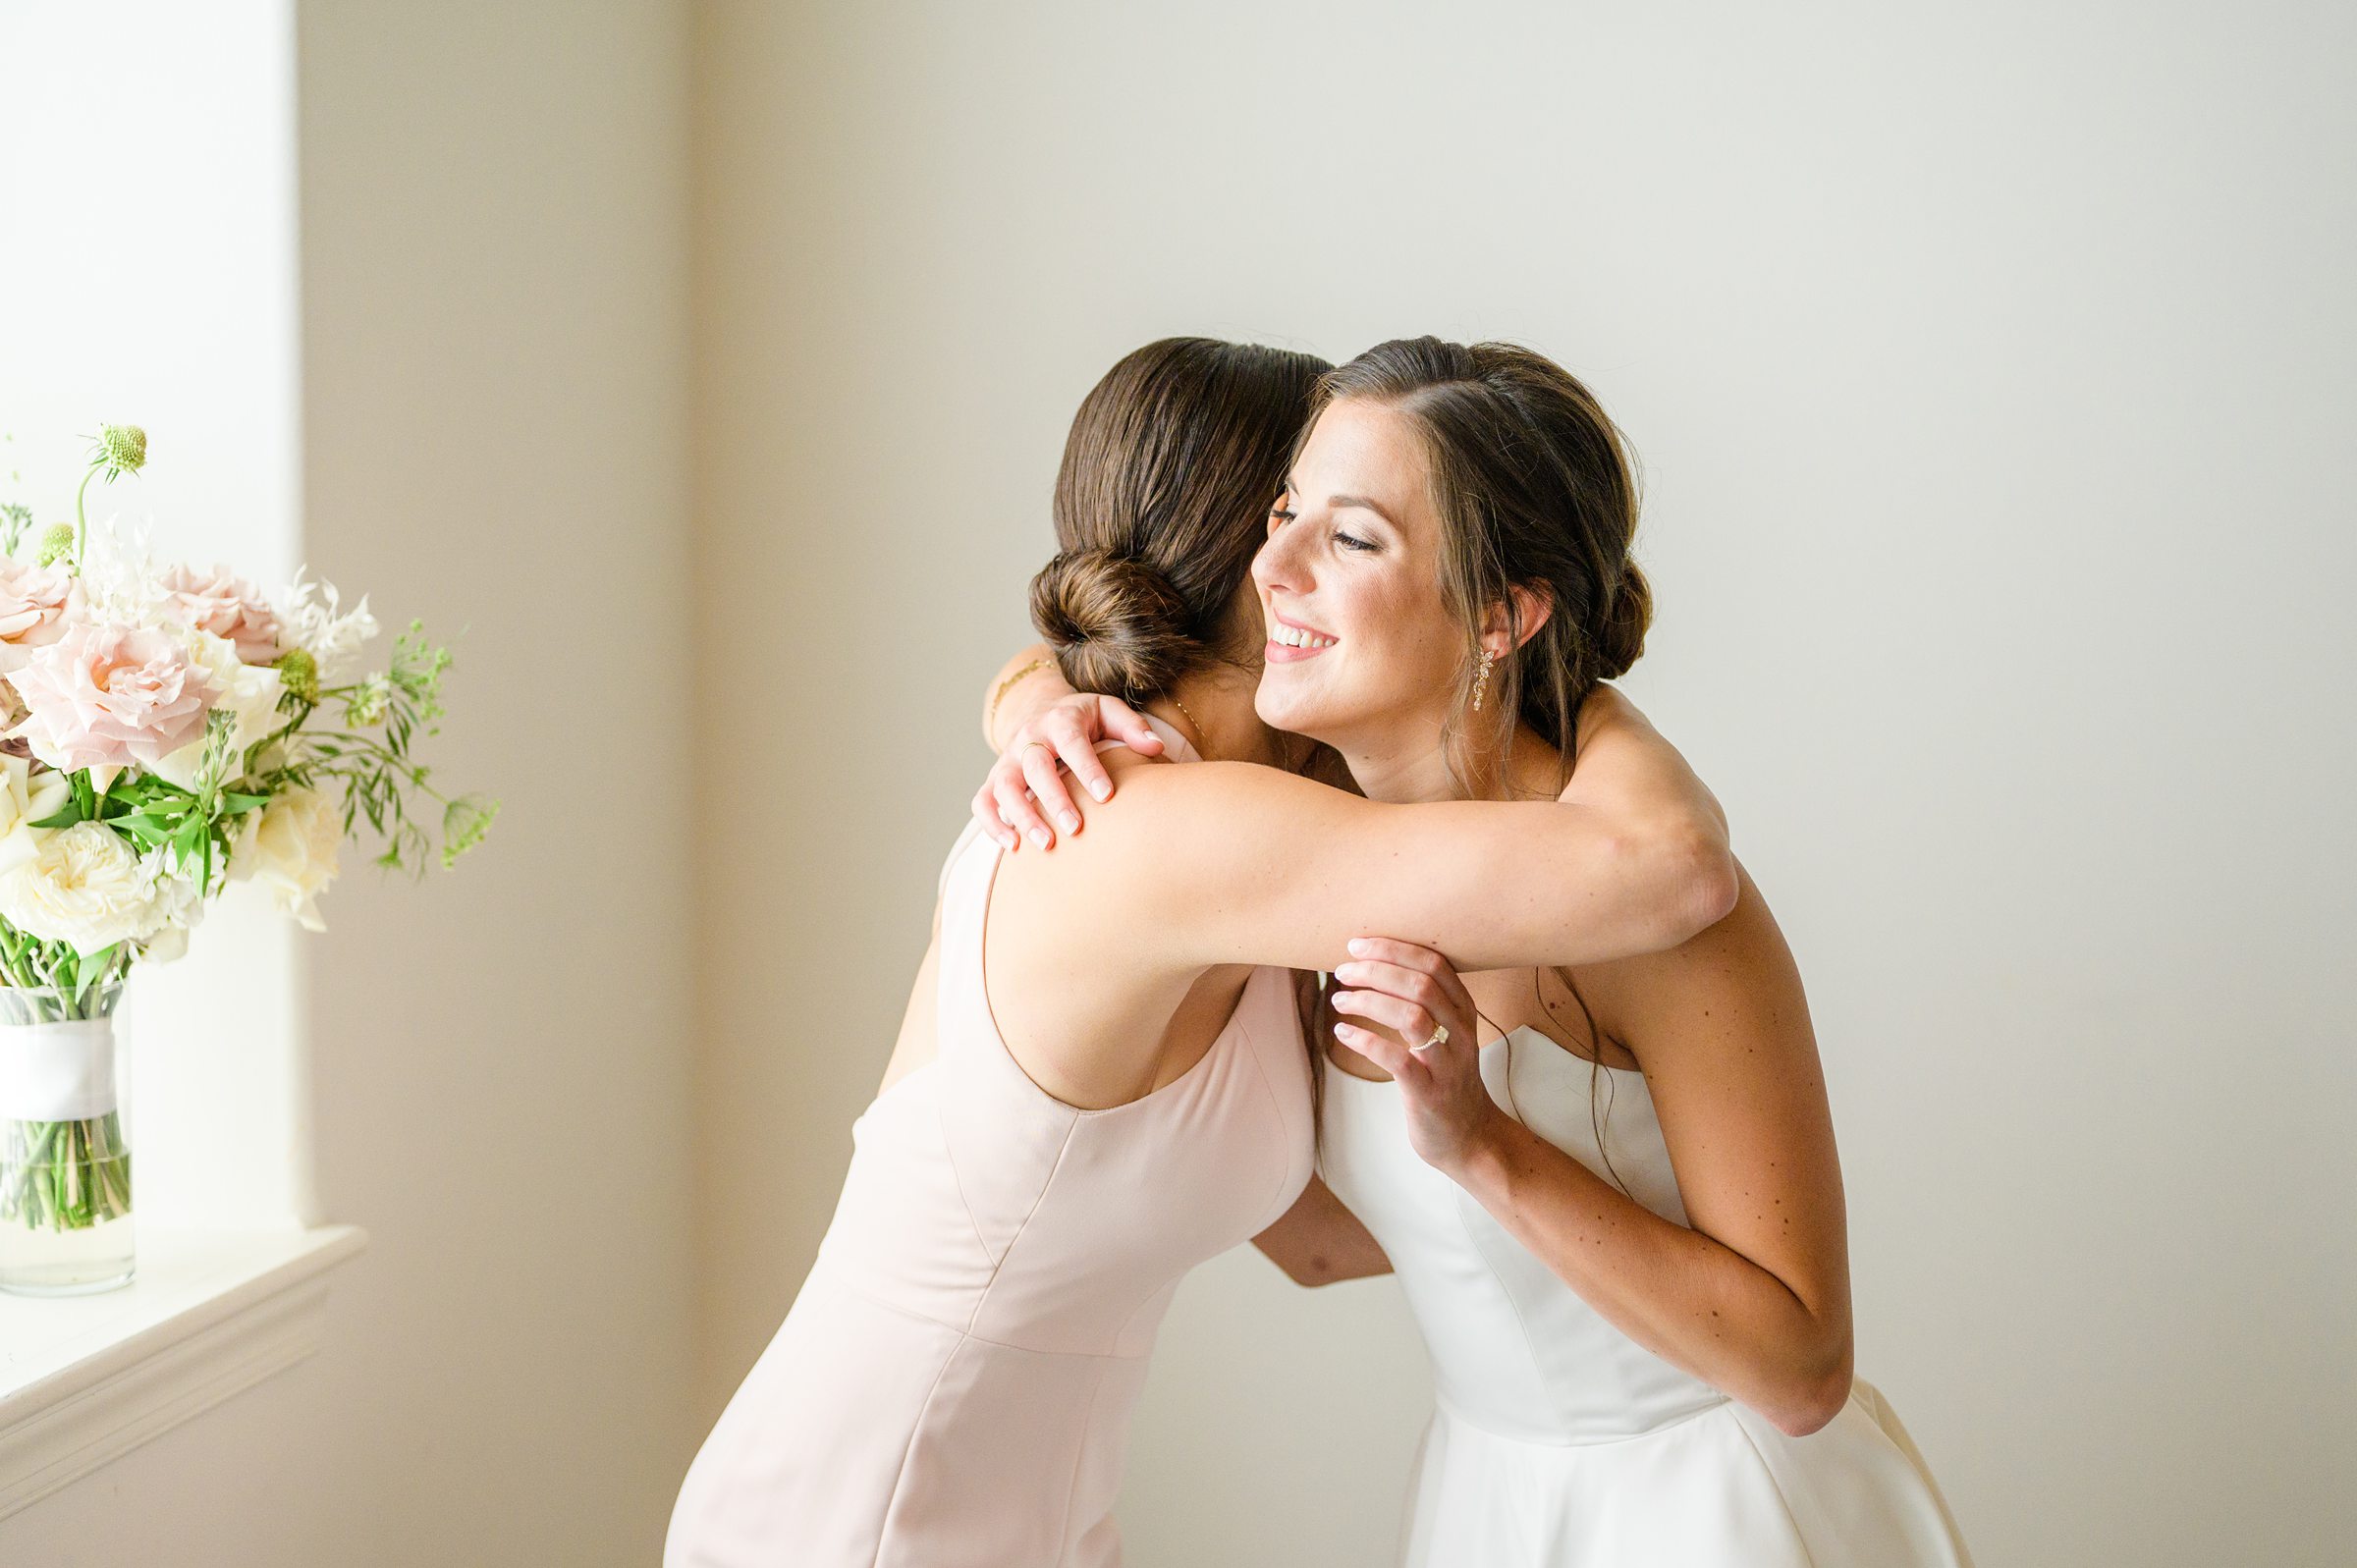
(66, 1223)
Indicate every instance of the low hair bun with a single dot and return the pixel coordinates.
(1620, 640)
(1116, 623)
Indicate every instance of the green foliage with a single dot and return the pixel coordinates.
(152, 813)
(465, 822)
(371, 758)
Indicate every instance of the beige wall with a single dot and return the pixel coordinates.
(495, 358)
(1990, 370)
(1991, 376)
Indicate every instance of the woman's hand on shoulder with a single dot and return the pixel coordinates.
(1026, 789)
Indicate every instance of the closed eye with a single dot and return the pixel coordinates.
(1352, 542)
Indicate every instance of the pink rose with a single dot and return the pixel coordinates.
(227, 607)
(111, 696)
(34, 602)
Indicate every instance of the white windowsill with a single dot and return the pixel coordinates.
(84, 1379)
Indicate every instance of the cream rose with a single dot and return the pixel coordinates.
(249, 691)
(230, 608)
(289, 846)
(85, 885)
(27, 795)
(108, 696)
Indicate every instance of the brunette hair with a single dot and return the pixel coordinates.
(1162, 502)
(1535, 488)
(1166, 479)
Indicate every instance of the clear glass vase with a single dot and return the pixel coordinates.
(65, 1225)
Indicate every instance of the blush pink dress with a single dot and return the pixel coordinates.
(952, 1385)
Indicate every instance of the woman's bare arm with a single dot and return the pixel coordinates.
(1752, 1295)
(1232, 863)
(1319, 1241)
(1036, 683)
(1623, 763)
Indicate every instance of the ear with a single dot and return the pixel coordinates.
(1533, 603)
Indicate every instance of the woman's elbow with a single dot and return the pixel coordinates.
(1816, 1395)
(1700, 884)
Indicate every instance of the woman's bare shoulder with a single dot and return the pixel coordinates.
(1740, 961)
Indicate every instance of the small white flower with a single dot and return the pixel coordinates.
(174, 896)
(310, 617)
(119, 580)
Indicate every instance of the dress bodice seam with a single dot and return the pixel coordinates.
(1047, 1185)
(948, 1152)
(968, 1335)
(1457, 1414)
(1530, 1349)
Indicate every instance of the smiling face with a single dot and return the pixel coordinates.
(1364, 652)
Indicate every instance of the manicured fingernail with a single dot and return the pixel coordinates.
(1359, 944)
(1069, 823)
(1100, 790)
(1039, 837)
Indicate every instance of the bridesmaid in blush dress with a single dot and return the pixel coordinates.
(953, 1383)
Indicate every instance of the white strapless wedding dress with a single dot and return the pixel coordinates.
(1559, 1442)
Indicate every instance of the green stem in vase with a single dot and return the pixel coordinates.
(22, 1197)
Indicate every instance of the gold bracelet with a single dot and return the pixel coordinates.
(990, 715)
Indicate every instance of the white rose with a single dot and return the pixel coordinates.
(291, 847)
(84, 885)
(26, 797)
(251, 691)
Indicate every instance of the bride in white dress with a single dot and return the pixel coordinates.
(1610, 1194)
(1569, 1429)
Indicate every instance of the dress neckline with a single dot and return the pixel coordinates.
(1173, 744)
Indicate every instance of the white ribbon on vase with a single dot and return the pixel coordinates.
(58, 1071)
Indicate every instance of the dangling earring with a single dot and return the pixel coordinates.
(1481, 677)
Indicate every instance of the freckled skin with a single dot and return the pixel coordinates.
(1740, 1124)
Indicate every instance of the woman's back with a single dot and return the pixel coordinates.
(952, 1385)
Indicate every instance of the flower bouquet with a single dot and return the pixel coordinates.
(163, 731)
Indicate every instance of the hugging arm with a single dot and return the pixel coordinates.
(1025, 684)
(1030, 699)
(1232, 863)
